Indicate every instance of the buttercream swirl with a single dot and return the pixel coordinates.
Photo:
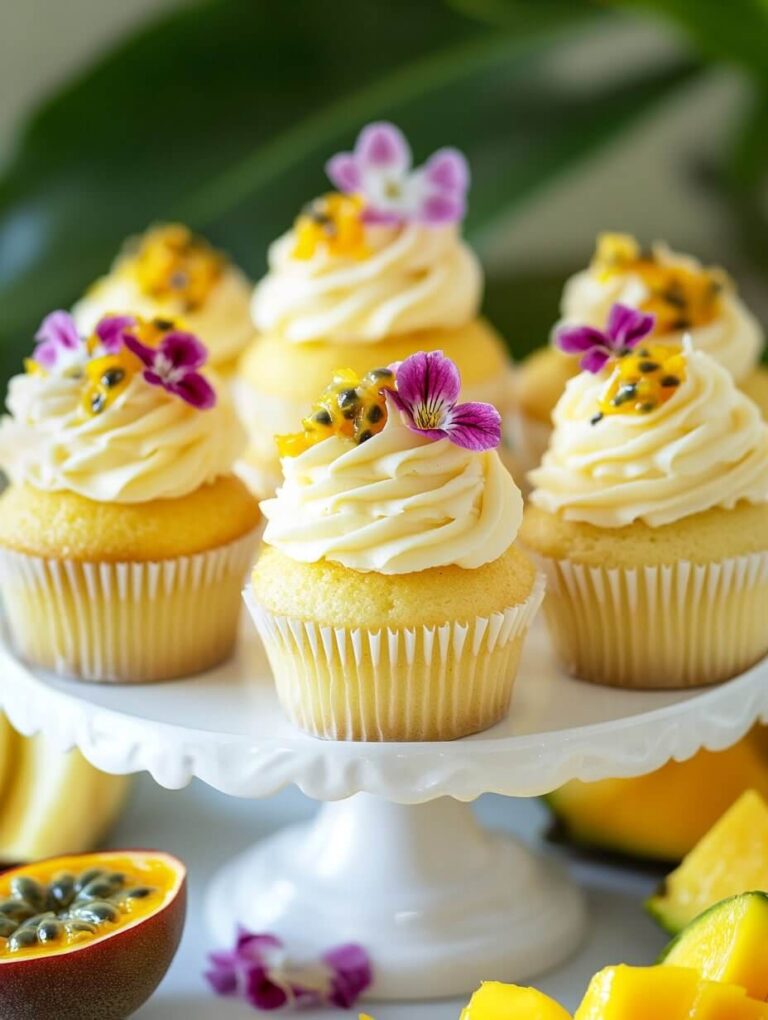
(395, 504)
(735, 338)
(222, 322)
(148, 444)
(705, 447)
(416, 277)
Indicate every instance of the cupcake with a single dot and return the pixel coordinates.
(124, 535)
(170, 273)
(649, 513)
(368, 275)
(390, 596)
(684, 297)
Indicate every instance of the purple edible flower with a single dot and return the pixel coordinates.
(259, 970)
(625, 328)
(379, 169)
(111, 332)
(58, 343)
(427, 393)
(173, 364)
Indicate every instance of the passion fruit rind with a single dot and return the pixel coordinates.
(71, 908)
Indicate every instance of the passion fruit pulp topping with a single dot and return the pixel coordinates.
(172, 262)
(42, 909)
(679, 297)
(333, 222)
(642, 380)
(352, 407)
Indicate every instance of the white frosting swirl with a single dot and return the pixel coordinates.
(223, 322)
(735, 338)
(395, 504)
(416, 277)
(146, 445)
(705, 447)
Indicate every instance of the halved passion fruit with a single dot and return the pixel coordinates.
(90, 935)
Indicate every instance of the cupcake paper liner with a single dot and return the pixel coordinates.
(125, 622)
(672, 626)
(419, 683)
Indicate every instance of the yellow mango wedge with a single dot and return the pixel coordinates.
(728, 942)
(664, 993)
(662, 816)
(496, 1001)
(731, 859)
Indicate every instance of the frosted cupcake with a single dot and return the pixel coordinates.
(170, 273)
(124, 535)
(684, 297)
(650, 513)
(390, 596)
(367, 275)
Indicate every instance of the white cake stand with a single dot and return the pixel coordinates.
(401, 866)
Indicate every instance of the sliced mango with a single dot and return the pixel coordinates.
(664, 993)
(496, 1001)
(729, 943)
(731, 859)
(662, 816)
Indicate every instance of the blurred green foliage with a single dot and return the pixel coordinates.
(222, 114)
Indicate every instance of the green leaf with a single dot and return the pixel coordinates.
(224, 113)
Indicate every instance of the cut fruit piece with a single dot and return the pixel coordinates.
(664, 993)
(662, 816)
(496, 1001)
(731, 859)
(50, 802)
(729, 943)
(90, 935)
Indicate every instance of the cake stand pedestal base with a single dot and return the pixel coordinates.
(438, 902)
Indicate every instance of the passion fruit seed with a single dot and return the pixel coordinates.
(99, 889)
(16, 909)
(24, 938)
(139, 893)
(87, 877)
(33, 922)
(25, 888)
(96, 911)
(7, 927)
(50, 931)
(62, 889)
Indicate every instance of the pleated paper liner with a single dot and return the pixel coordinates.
(676, 626)
(420, 683)
(125, 622)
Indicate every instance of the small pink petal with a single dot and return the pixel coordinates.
(595, 360)
(261, 992)
(383, 146)
(448, 170)
(427, 380)
(110, 331)
(474, 426)
(145, 354)
(223, 982)
(184, 350)
(441, 208)
(627, 326)
(196, 390)
(578, 339)
(344, 172)
(59, 328)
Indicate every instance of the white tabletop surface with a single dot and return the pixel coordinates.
(203, 827)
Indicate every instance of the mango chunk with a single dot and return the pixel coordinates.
(729, 943)
(496, 1001)
(662, 816)
(664, 993)
(731, 859)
